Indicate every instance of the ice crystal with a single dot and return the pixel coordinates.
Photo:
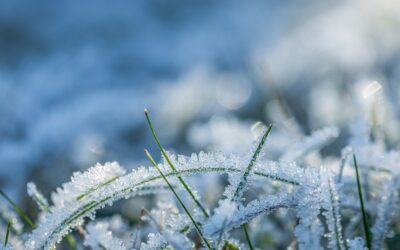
(8, 215)
(256, 186)
(356, 244)
(222, 216)
(331, 204)
(155, 242)
(63, 218)
(309, 229)
(167, 217)
(99, 237)
(386, 210)
(247, 213)
(83, 183)
(37, 196)
(239, 183)
(315, 141)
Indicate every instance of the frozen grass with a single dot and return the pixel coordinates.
(364, 213)
(279, 186)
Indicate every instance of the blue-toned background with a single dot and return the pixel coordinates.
(76, 75)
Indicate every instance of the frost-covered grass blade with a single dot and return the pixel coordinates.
(7, 233)
(179, 200)
(364, 213)
(243, 180)
(198, 203)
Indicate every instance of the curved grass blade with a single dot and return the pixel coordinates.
(144, 185)
(80, 197)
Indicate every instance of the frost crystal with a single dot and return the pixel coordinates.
(239, 183)
(309, 230)
(7, 214)
(37, 196)
(245, 214)
(311, 192)
(222, 216)
(99, 237)
(356, 244)
(315, 141)
(330, 204)
(386, 210)
(83, 183)
(155, 242)
(97, 194)
(167, 217)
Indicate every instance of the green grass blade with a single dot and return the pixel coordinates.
(336, 224)
(146, 112)
(41, 203)
(7, 234)
(80, 197)
(364, 214)
(198, 203)
(179, 200)
(17, 209)
(70, 239)
(229, 246)
(251, 164)
(247, 236)
(243, 180)
(222, 232)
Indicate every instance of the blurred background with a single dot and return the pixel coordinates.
(75, 77)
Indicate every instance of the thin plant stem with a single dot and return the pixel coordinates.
(179, 200)
(147, 212)
(364, 213)
(338, 234)
(253, 160)
(7, 233)
(243, 180)
(222, 232)
(247, 236)
(342, 164)
(146, 112)
(17, 209)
